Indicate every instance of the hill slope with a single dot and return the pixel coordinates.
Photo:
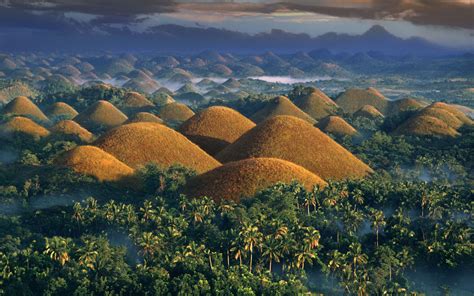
(336, 126)
(316, 104)
(244, 178)
(92, 161)
(295, 140)
(23, 106)
(280, 106)
(137, 144)
(214, 128)
(353, 99)
(101, 115)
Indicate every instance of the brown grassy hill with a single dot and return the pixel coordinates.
(101, 115)
(136, 100)
(295, 140)
(406, 104)
(442, 114)
(425, 126)
(92, 161)
(336, 126)
(280, 106)
(244, 178)
(368, 111)
(137, 144)
(24, 107)
(62, 110)
(24, 126)
(144, 117)
(72, 129)
(214, 128)
(316, 104)
(353, 99)
(175, 112)
(453, 110)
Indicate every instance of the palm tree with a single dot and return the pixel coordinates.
(271, 249)
(378, 221)
(303, 255)
(148, 211)
(358, 258)
(58, 249)
(88, 255)
(149, 244)
(251, 237)
(311, 237)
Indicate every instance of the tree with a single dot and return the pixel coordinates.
(252, 238)
(271, 249)
(378, 221)
(58, 248)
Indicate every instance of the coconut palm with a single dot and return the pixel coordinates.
(271, 249)
(57, 248)
(252, 238)
(378, 221)
(149, 244)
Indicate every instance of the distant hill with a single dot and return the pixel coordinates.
(178, 38)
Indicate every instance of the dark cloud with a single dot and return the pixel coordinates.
(124, 8)
(450, 13)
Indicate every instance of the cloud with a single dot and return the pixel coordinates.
(450, 13)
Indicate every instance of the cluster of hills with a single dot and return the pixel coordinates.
(234, 155)
(210, 74)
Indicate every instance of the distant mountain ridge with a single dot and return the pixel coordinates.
(176, 38)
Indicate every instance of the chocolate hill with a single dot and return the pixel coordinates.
(353, 99)
(92, 161)
(425, 126)
(316, 104)
(214, 128)
(337, 126)
(144, 117)
(175, 112)
(137, 144)
(280, 106)
(101, 115)
(69, 128)
(61, 110)
(368, 111)
(23, 106)
(23, 126)
(295, 140)
(244, 178)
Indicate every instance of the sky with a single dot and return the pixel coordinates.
(446, 22)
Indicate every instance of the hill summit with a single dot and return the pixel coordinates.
(244, 178)
(214, 128)
(295, 140)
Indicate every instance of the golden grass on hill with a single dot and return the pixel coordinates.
(14, 90)
(442, 114)
(92, 161)
(24, 126)
(336, 126)
(137, 144)
(280, 106)
(144, 117)
(425, 126)
(368, 111)
(244, 178)
(176, 112)
(406, 104)
(454, 110)
(316, 104)
(23, 106)
(61, 109)
(72, 128)
(295, 140)
(353, 99)
(101, 114)
(136, 100)
(214, 128)
(469, 112)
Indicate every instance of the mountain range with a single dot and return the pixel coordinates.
(180, 39)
